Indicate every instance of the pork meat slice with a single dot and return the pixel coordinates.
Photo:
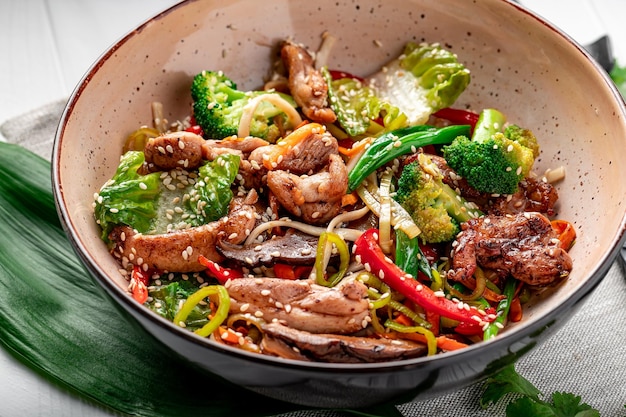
(306, 83)
(280, 340)
(302, 304)
(522, 245)
(178, 251)
(173, 150)
(314, 198)
(311, 152)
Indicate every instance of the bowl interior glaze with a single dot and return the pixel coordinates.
(519, 64)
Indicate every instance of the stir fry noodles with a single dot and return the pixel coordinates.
(336, 217)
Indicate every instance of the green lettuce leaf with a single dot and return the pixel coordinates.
(424, 79)
(212, 191)
(128, 198)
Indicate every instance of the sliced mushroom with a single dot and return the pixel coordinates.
(293, 248)
(286, 342)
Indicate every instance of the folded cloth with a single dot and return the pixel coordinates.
(584, 357)
(35, 130)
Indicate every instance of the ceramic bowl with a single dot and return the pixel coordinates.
(520, 64)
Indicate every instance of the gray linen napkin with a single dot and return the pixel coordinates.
(585, 357)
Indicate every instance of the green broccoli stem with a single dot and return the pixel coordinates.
(400, 142)
(490, 122)
(456, 206)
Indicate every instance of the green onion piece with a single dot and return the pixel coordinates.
(481, 284)
(431, 341)
(502, 311)
(409, 256)
(395, 305)
(400, 219)
(220, 314)
(378, 300)
(399, 142)
(320, 267)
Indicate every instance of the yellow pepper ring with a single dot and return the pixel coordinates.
(220, 314)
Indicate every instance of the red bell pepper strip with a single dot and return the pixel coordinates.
(194, 127)
(139, 281)
(338, 74)
(290, 272)
(458, 116)
(369, 253)
(219, 272)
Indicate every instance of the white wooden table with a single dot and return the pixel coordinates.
(47, 45)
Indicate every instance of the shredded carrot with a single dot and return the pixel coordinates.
(273, 157)
(434, 320)
(443, 342)
(290, 272)
(566, 232)
(489, 295)
(356, 147)
(227, 335)
(404, 320)
(349, 199)
(515, 311)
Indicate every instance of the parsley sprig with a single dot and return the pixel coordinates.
(527, 400)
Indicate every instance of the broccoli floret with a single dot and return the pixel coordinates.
(424, 79)
(524, 137)
(218, 107)
(434, 206)
(493, 161)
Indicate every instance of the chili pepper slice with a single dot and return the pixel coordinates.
(344, 259)
(338, 74)
(220, 314)
(139, 282)
(290, 272)
(219, 272)
(369, 253)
